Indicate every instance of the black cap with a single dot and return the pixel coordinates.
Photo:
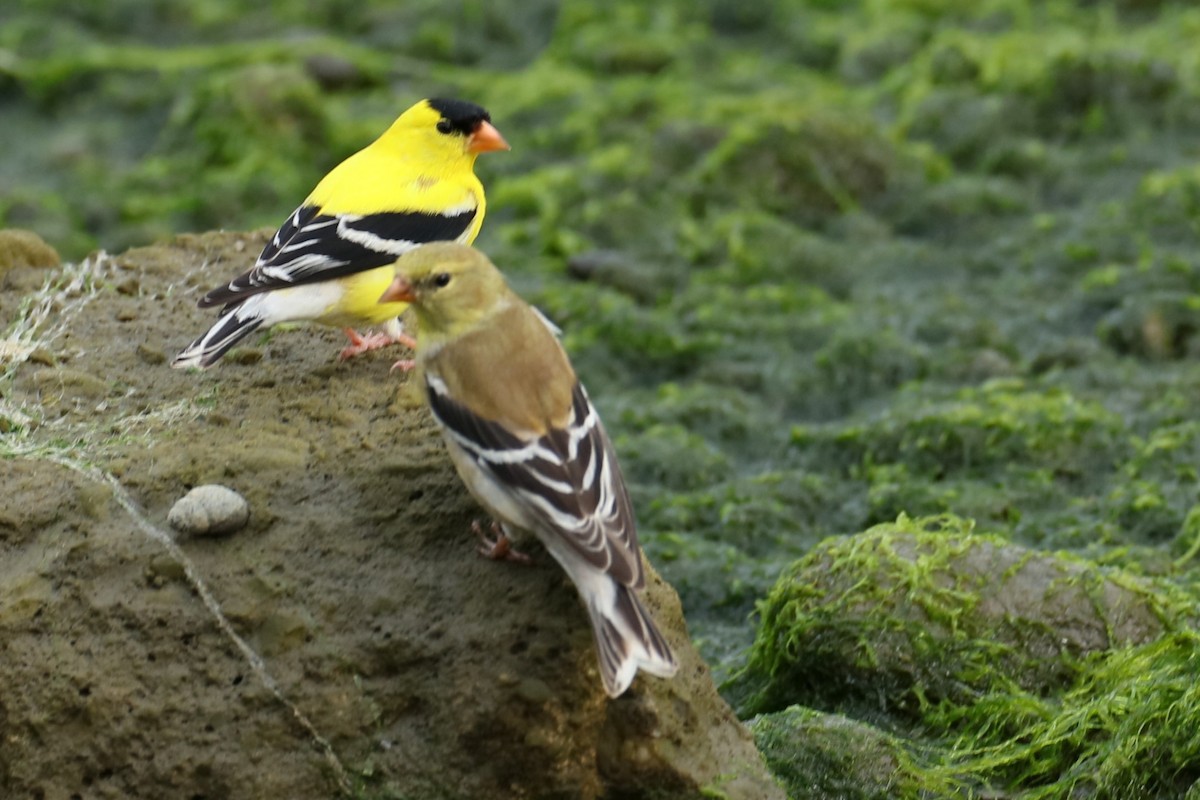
(463, 117)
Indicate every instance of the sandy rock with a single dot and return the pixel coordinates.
(427, 670)
(58, 384)
(209, 510)
(21, 248)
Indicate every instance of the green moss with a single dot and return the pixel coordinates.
(805, 166)
(1117, 718)
(1002, 424)
(1159, 482)
(761, 514)
(1169, 199)
(858, 364)
(629, 38)
(826, 756)
(626, 332)
(726, 415)
(674, 458)
(750, 247)
(967, 199)
(1126, 728)
(987, 93)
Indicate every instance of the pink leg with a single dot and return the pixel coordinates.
(497, 546)
(406, 340)
(360, 344)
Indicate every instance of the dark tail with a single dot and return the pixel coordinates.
(230, 329)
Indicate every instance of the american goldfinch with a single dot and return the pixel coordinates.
(528, 443)
(332, 257)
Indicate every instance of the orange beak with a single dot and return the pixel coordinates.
(485, 139)
(400, 291)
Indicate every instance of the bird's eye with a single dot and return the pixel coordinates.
(441, 279)
(445, 126)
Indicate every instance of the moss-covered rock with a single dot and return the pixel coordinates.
(20, 248)
(924, 611)
(1124, 728)
(831, 757)
(806, 166)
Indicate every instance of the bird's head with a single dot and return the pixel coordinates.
(451, 286)
(448, 129)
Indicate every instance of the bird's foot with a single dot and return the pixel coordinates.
(496, 545)
(362, 343)
(404, 365)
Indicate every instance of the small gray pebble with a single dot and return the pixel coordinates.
(209, 510)
(535, 691)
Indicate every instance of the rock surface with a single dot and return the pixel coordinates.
(22, 248)
(361, 647)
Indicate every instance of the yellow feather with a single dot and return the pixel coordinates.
(411, 167)
(359, 302)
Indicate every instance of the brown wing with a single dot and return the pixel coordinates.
(567, 478)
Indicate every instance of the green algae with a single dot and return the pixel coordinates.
(827, 755)
(976, 430)
(901, 623)
(1124, 729)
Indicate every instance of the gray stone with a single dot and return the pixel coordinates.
(209, 510)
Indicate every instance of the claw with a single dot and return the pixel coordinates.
(497, 546)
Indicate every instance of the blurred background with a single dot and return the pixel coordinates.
(819, 262)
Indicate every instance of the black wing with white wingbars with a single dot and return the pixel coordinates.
(312, 247)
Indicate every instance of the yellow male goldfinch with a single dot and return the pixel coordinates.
(332, 257)
(528, 443)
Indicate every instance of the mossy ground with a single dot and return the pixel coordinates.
(819, 263)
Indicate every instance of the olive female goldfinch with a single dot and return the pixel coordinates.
(528, 443)
(332, 258)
